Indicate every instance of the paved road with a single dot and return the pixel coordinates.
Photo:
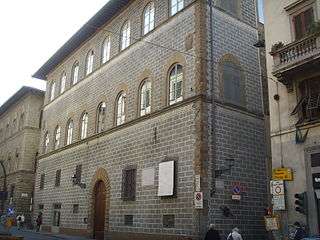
(28, 235)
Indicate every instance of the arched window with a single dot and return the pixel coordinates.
(89, 62)
(148, 18)
(125, 35)
(52, 90)
(75, 73)
(175, 84)
(63, 82)
(233, 90)
(176, 6)
(57, 134)
(69, 132)
(101, 112)
(145, 97)
(106, 50)
(46, 143)
(84, 126)
(121, 102)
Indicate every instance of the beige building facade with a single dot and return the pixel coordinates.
(19, 145)
(294, 91)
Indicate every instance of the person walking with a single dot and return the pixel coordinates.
(39, 221)
(235, 234)
(212, 233)
(19, 221)
(22, 220)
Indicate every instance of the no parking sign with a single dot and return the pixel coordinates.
(198, 200)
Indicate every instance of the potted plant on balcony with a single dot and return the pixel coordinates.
(313, 28)
(275, 47)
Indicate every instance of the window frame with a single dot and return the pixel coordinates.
(173, 82)
(129, 184)
(58, 178)
(120, 115)
(148, 14)
(106, 49)
(75, 73)
(63, 81)
(46, 142)
(89, 62)
(175, 8)
(83, 126)
(228, 9)
(52, 90)
(57, 137)
(143, 94)
(100, 121)
(125, 35)
(69, 135)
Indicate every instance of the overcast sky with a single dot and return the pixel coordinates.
(32, 31)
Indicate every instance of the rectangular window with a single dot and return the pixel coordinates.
(58, 176)
(42, 181)
(301, 23)
(129, 185)
(168, 221)
(315, 160)
(75, 208)
(309, 100)
(40, 206)
(56, 215)
(11, 191)
(128, 220)
(78, 174)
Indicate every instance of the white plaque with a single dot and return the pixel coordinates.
(219, 184)
(279, 202)
(197, 178)
(147, 177)
(24, 194)
(166, 179)
(236, 197)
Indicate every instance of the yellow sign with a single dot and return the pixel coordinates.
(282, 174)
(272, 222)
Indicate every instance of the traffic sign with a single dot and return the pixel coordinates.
(237, 189)
(11, 211)
(277, 187)
(282, 174)
(198, 200)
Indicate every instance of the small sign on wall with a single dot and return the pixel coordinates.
(272, 222)
(147, 178)
(198, 200)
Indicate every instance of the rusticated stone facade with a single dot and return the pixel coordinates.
(197, 133)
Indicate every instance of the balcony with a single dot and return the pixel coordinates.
(296, 59)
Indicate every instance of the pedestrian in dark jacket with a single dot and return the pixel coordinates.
(299, 233)
(212, 233)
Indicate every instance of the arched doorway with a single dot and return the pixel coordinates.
(99, 210)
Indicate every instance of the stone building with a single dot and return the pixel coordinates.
(131, 129)
(294, 90)
(19, 143)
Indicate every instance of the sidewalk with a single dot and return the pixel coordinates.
(51, 234)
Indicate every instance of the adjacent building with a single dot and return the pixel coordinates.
(153, 118)
(292, 38)
(19, 143)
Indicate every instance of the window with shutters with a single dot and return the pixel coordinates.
(101, 114)
(129, 184)
(230, 6)
(120, 109)
(78, 174)
(69, 131)
(145, 97)
(308, 104)
(84, 126)
(42, 181)
(175, 84)
(232, 84)
(58, 177)
(301, 22)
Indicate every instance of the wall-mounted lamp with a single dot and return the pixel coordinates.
(230, 163)
(76, 181)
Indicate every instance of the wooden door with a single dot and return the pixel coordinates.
(99, 211)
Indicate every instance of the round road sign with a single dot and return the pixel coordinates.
(236, 189)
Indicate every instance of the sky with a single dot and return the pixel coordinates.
(32, 31)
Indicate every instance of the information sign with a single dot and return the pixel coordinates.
(272, 222)
(279, 202)
(11, 211)
(277, 187)
(282, 174)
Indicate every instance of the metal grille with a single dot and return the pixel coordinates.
(42, 181)
(58, 177)
(168, 221)
(129, 185)
(78, 174)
